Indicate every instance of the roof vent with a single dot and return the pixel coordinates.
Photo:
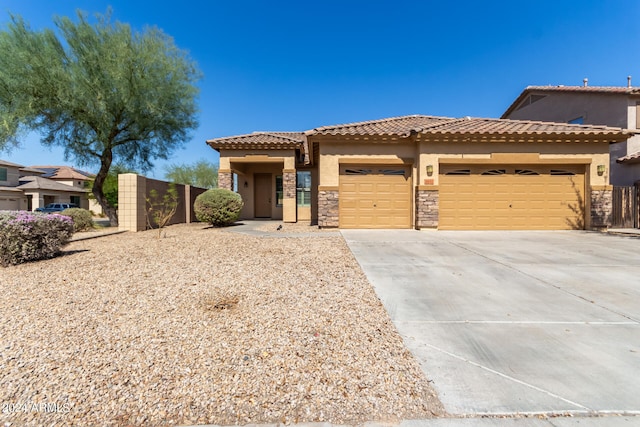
(585, 82)
(467, 118)
(628, 81)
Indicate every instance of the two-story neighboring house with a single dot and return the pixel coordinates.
(616, 106)
(28, 188)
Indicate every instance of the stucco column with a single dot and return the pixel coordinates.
(427, 206)
(289, 195)
(225, 179)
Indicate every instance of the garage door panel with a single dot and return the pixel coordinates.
(511, 201)
(379, 199)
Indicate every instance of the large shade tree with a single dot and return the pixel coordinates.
(103, 92)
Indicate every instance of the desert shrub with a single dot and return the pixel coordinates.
(218, 207)
(82, 218)
(29, 236)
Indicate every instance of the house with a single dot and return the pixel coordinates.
(27, 188)
(77, 178)
(596, 105)
(425, 172)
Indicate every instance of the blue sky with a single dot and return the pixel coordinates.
(295, 65)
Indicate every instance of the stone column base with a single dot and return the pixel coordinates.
(328, 208)
(426, 208)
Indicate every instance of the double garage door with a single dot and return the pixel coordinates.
(375, 196)
(511, 197)
(474, 197)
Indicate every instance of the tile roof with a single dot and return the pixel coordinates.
(64, 172)
(630, 158)
(40, 183)
(401, 126)
(469, 125)
(611, 90)
(423, 125)
(259, 139)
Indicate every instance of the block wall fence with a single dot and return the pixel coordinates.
(133, 191)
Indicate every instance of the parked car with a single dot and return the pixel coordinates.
(56, 207)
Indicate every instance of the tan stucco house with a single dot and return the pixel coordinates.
(617, 106)
(426, 172)
(28, 188)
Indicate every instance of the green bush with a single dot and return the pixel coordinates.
(218, 207)
(82, 218)
(29, 236)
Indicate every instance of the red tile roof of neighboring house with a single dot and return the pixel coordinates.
(259, 139)
(399, 126)
(64, 172)
(611, 90)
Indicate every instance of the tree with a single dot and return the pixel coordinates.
(200, 174)
(101, 91)
(110, 185)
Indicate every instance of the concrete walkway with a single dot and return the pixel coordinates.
(255, 227)
(544, 325)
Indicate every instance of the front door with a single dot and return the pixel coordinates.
(262, 195)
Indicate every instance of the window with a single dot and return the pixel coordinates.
(577, 121)
(3, 174)
(526, 172)
(530, 100)
(358, 171)
(460, 172)
(234, 179)
(279, 192)
(75, 200)
(303, 188)
(561, 172)
(494, 172)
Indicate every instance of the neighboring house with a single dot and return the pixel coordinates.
(77, 178)
(594, 105)
(26, 188)
(425, 172)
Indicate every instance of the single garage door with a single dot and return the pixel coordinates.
(511, 197)
(376, 196)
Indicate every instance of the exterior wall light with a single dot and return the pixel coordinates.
(600, 170)
(429, 170)
(246, 184)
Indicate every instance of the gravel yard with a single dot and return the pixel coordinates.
(201, 326)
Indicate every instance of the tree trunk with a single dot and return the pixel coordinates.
(105, 163)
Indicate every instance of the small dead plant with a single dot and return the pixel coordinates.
(220, 302)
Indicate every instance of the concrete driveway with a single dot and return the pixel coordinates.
(514, 322)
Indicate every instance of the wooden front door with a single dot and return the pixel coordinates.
(262, 195)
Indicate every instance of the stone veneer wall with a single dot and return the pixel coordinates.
(601, 208)
(426, 208)
(328, 208)
(289, 185)
(225, 180)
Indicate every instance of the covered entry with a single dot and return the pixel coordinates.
(375, 196)
(512, 197)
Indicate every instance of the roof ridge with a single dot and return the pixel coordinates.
(382, 120)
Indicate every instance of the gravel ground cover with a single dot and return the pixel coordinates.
(202, 326)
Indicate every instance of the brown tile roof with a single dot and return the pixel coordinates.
(40, 183)
(64, 172)
(260, 139)
(423, 125)
(400, 126)
(469, 125)
(611, 90)
(630, 158)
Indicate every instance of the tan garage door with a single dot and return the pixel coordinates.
(375, 196)
(9, 203)
(511, 198)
